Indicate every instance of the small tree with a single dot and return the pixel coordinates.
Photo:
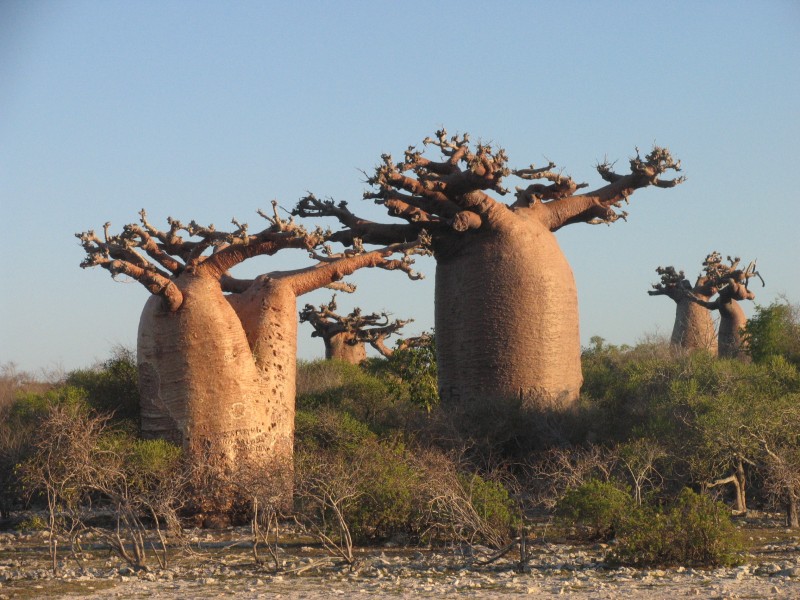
(345, 336)
(774, 330)
(694, 328)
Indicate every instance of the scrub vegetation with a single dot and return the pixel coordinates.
(665, 451)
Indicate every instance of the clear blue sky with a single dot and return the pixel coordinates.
(209, 110)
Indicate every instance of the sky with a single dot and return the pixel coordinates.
(210, 110)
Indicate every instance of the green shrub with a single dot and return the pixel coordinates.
(33, 522)
(30, 408)
(411, 374)
(111, 387)
(314, 377)
(389, 503)
(774, 330)
(330, 430)
(492, 502)
(695, 530)
(598, 507)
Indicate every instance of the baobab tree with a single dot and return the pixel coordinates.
(506, 313)
(217, 354)
(694, 327)
(345, 336)
(731, 284)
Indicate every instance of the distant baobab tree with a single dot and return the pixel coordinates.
(345, 336)
(694, 327)
(731, 285)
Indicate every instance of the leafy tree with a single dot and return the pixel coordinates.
(774, 330)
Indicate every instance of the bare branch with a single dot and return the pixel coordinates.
(602, 205)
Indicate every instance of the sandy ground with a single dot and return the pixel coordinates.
(220, 570)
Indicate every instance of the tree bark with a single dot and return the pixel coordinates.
(198, 383)
(268, 314)
(792, 517)
(694, 326)
(338, 347)
(732, 321)
(507, 317)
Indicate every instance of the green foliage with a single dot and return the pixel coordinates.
(33, 522)
(111, 387)
(600, 507)
(388, 499)
(412, 373)
(329, 429)
(31, 407)
(774, 330)
(365, 396)
(492, 502)
(695, 531)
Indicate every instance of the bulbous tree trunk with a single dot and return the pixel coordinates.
(338, 347)
(268, 313)
(732, 321)
(507, 317)
(199, 385)
(694, 326)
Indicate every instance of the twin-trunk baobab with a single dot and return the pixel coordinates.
(506, 309)
(731, 285)
(217, 354)
(694, 327)
(346, 336)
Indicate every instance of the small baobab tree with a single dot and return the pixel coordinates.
(694, 327)
(730, 282)
(506, 310)
(216, 354)
(345, 336)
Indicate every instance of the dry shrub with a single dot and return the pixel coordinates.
(79, 463)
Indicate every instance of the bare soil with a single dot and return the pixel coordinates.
(221, 564)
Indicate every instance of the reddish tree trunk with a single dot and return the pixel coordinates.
(199, 386)
(694, 326)
(507, 317)
(338, 347)
(732, 321)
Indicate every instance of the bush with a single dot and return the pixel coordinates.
(389, 502)
(599, 507)
(695, 530)
(348, 388)
(411, 374)
(328, 429)
(774, 330)
(492, 502)
(111, 387)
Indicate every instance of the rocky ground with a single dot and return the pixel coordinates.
(222, 565)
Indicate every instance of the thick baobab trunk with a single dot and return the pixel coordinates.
(268, 313)
(507, 318)
(199, 386)
(732, 321)
(339, 347)
(694, 326)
